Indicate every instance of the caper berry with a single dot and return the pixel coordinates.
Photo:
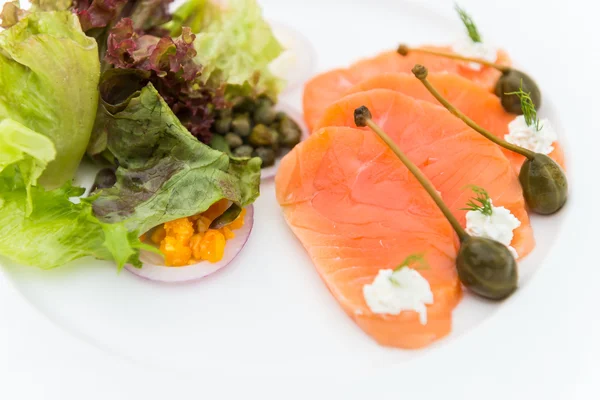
(262, 135)
(290, 132)
(222, 125)
(243, 151)
(233, 140)
(266, 154)
(510, 82)
(105, 179)
(264, 114)
(241, 125)
(487, 268)
(544, 184)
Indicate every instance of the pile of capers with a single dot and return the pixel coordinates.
(254, 128)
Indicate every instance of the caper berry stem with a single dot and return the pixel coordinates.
(421, 73)
(362, 117)
(404, 50)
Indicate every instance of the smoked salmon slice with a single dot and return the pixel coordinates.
(356, 209)
(450, 154)
(330, 86)
(471, 99)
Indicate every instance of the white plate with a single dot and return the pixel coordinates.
(269, 315)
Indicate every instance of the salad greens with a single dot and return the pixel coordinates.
(25, 150)
(238, 45)
(58, 231)
(129, 84)
(55, 96)
(165, 173)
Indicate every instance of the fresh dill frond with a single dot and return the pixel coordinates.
(528, 108)
(469, 24)
(415, 261)
(481, 202)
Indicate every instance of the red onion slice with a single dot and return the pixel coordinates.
(154, 270)
(270, 172)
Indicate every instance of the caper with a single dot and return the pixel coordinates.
(244, 104)
(243, 151)
(542, 180)
(262, 135)
(290, 132)
(224, 113)
(263, 99)
(544, 184)
(241, 125)
(233, 140)
(486, 267)
(280, 115)
(509, 83)
(264, 114)
(222, 125)
(266, 154)
(105, 179)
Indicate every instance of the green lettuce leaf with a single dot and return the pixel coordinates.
(57, 230)
(49, 72)
(236, 45)
(164, 172)
(22, 148)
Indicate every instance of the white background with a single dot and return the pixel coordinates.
(546, 345)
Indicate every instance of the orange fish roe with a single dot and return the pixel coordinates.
(186, 241)
(158, 234)
(176, 253)
(212, 246)
(227, 232)
(182, 229)
(239, 221)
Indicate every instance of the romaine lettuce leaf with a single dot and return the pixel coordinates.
(238, 45)
(164, 172)
(49, 72)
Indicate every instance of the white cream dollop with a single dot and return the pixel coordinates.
(499, 226)
(395, 291)
(468, 48)
(528, 137)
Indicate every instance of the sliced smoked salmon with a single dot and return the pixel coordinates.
(475, 102)
(452, 155)
(330, 86)
(356, 209)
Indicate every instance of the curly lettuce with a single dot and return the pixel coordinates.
(237, 45)
(49, 73)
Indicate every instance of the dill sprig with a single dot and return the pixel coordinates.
(481, 202)
(469, 24)
(415, 261)
(528, 108)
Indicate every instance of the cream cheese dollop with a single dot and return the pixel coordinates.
(499, 226)
(395, 291)
(529, 137)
